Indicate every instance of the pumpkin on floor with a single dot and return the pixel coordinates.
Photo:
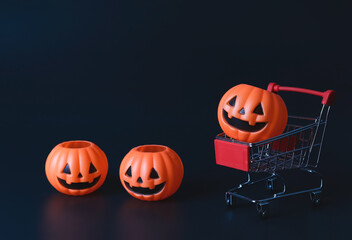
(76, 167)
(151, 172)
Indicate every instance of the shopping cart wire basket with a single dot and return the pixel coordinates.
(299, 147)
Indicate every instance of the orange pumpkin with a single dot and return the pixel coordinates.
(251, 114)
(151, 172)
(76, 167)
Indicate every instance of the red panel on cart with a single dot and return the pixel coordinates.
(233, 155)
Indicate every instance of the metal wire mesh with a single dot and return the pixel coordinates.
(301, 140)
(288, 152)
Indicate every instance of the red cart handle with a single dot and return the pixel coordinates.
(328, 96)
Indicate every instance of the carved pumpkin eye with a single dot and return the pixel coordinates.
(259, 109)
(67, 169)
(232, 102)
(92, 169)
(154, 174)
(129, 172)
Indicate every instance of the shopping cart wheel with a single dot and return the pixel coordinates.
(271, 185)
(263, 209)
(229, 199)
(315, 197)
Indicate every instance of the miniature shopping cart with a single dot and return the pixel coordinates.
(299, 147)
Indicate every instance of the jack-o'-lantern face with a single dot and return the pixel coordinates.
(156, 188)
(76, 167)
(151, 172)
(73, 182)
(251, 114)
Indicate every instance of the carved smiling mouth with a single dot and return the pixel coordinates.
(79, 185)
(243, 125)
(146, 191)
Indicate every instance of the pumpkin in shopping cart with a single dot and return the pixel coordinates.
(151, 172)
(251, 114)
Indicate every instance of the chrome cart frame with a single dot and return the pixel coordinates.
(299, 147)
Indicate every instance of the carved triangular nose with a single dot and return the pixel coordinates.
(80, 175)
(242, 112)
(140, 180)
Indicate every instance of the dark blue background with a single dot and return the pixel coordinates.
(126, 73)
